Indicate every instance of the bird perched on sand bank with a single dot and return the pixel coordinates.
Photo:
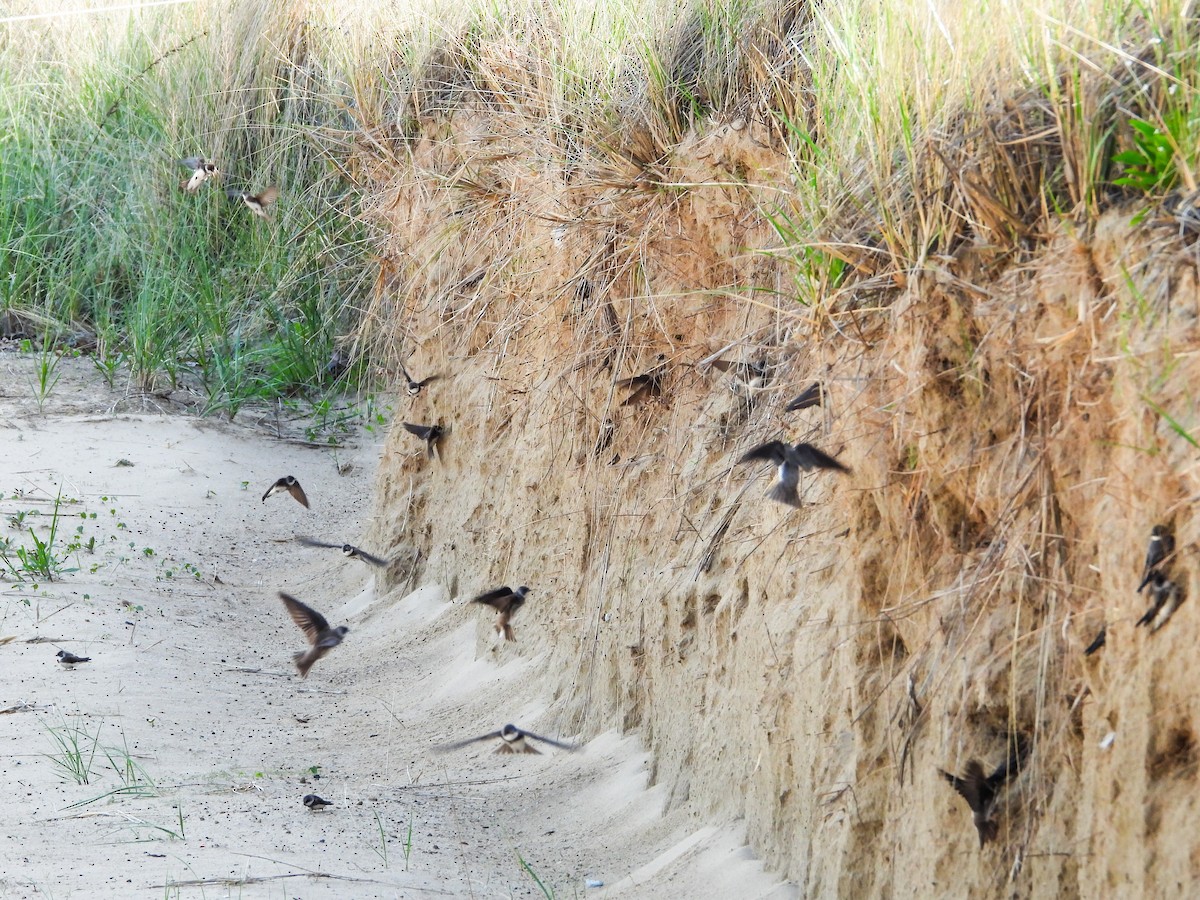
(1165, 598)
(69, 660)
(1162, 545)
(313, 802)
(790, 461)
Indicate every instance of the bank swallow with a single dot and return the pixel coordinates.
(506, 602)
(790, 461)
(980, 790)
(648, 384)
(430, 434)
(292, 486)
(1097, 642)
(414, 386)
(348, 550)
(1165, 598)
(70, 660)
(316, 629)
(202, 170)
(313, 802)
(1162, 545)
(512, 740)
(753, 375)
(810, 396)
(257, 203)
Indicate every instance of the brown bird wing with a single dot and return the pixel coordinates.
(366, 557)
(775, 451)
(810, 396)
(297, 493)
(969, 786)
(269, 196)
(500, 599)
(311, 622)
(444, 748)
(421, 431)
(811, 458)
(192, 162)
(550, 741)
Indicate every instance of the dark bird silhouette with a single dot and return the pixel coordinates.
(790, 461)
(430, 434)
(316, 629)
(813, 395)
(1097, 642)
(202, 170)
(506, 602)
(70, 660)
(260, 203)
(414, 386)
(512, 740)
(1162, 545)
(313, 802)
(348, 550)
(1165, 598)
(289, 484)
(980, 790)
(648, 384)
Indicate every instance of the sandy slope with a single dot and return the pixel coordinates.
(191, 681)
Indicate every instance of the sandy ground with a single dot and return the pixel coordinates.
(198, 740)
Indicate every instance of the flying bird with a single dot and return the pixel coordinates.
(1162, 545)
(1165, 598)
(70, 660)
(430, 434)
(316, 629)
(980, 790)
(257, 203)
(790, 461)
(813, 395)
(202, 170)
(313, 802)
(1097, 642)
(512, 740)
(506, 602)
(648, 384)
(414, 386)
(292, 486)
(348, 550)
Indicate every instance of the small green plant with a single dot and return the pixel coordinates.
(75, 750)
(408, 841)
(41, 560)
(381, 850)
(46, 372)
(549, 894)
(1150, 163)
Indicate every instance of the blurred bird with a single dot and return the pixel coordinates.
(980, 790)
(414, 386)
(430, 434)
(1162, 545)
(292, 486)
(810, 396)
(316, 629)
(70, 660)
(313, 802)
(1097, 642)
(648, 384)
(790, 461)
(747, 376)
(202, 170)
(512, 740)
(1165, 598)
(348, 550)
(506, 602)
(256, 203)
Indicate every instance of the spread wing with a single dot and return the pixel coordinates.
(500, 598)
(810, 457)
(192, 162)
(313, 542)
(970, 786)
(811, 396)
(550, 741)
(456, 745)
(775, 451)
(269, 196)
(421, 431)
(311, 622)
(298, 493)
(366, 557)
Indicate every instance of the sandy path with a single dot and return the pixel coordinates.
(191, 682)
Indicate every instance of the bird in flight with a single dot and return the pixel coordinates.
(506, 602)
(512, 740)
(349, 550)
(260, 203)
(790, 461)
(202, 170)
(316, 629)
(289, 484)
